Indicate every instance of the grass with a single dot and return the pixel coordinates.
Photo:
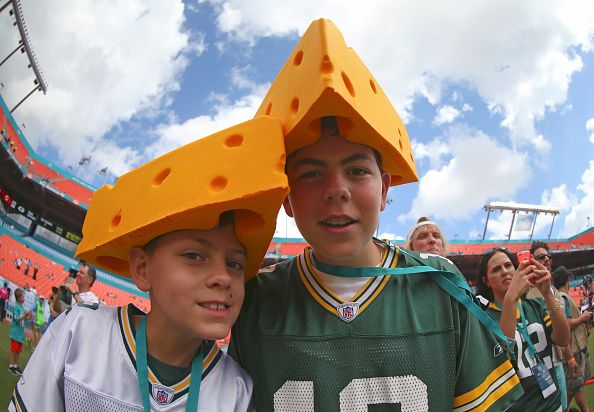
(8, 381)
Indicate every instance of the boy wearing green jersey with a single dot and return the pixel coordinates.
(335, 329)
(315, 341)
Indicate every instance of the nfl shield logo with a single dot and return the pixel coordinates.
(163, 394)
(348, 311)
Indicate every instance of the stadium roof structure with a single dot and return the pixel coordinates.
(25, 47)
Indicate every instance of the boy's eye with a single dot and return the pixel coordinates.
(193, 256)
(233, 264)
(358, 171)
(308, 174)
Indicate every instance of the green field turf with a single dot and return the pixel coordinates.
(8, 380)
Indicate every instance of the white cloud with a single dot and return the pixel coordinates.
(389, 236)
(467, 107)
(581, 214)
(518, 56)
(590, 128)
(559, 197)
(104, 62)
(446, 114)
(197, 43)
(479, 170)
(435, 151)
(226, 114)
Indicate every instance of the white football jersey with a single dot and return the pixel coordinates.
(86, 361)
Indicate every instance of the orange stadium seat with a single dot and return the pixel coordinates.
(291, 248)
(53, 274)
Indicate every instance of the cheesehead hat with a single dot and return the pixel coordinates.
(239, 169)
(323, 77)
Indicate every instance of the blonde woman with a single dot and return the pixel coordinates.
(425, 236)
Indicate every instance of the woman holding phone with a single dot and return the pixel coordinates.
(534, 324)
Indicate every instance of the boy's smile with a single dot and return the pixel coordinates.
(337, 193)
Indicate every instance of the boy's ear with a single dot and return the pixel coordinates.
(138, 260)
(287, 207)
(386, 179)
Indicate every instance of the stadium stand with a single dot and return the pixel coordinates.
(52, 274)
(38, 169)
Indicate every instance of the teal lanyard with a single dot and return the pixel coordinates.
(450, 282)
(142, 369)
(523, 329)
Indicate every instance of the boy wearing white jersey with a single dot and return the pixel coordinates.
(101, 358)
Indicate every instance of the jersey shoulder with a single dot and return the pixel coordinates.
(411, 258)
(86, 317)
(272, 279)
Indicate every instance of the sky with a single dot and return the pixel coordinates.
(497, 96)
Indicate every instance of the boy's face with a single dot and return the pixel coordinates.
(197, 281)
(337, 193)
(20, 298)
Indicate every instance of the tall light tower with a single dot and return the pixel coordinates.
(518, 207)
(15, 10)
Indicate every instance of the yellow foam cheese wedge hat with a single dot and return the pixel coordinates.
(323, 77)
(239, 169)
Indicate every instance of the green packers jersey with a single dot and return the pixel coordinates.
(400, 343)
(539, 325)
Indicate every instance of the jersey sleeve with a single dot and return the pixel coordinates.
(42, 384)
(486, 379)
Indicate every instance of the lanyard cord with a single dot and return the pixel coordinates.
(523, 329)
(142, 369)
(450, 282)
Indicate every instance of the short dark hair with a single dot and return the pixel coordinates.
(560, 276)
(330, 122)
(481, 287)
(537, 244)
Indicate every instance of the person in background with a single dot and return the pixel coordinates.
(17, 332)
(426, 237)
(3, 301)
(39, 321)
(85, 277)
(576, 360)
(534, 324)
(540, 251)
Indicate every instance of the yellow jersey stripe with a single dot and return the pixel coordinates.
(498, 394)
(477, 392)
(375, 294)
(311, 290)
(314, 273)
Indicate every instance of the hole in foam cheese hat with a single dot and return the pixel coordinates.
(239, 169)
(323, 77)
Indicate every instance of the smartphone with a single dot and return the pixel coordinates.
(523, 256)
